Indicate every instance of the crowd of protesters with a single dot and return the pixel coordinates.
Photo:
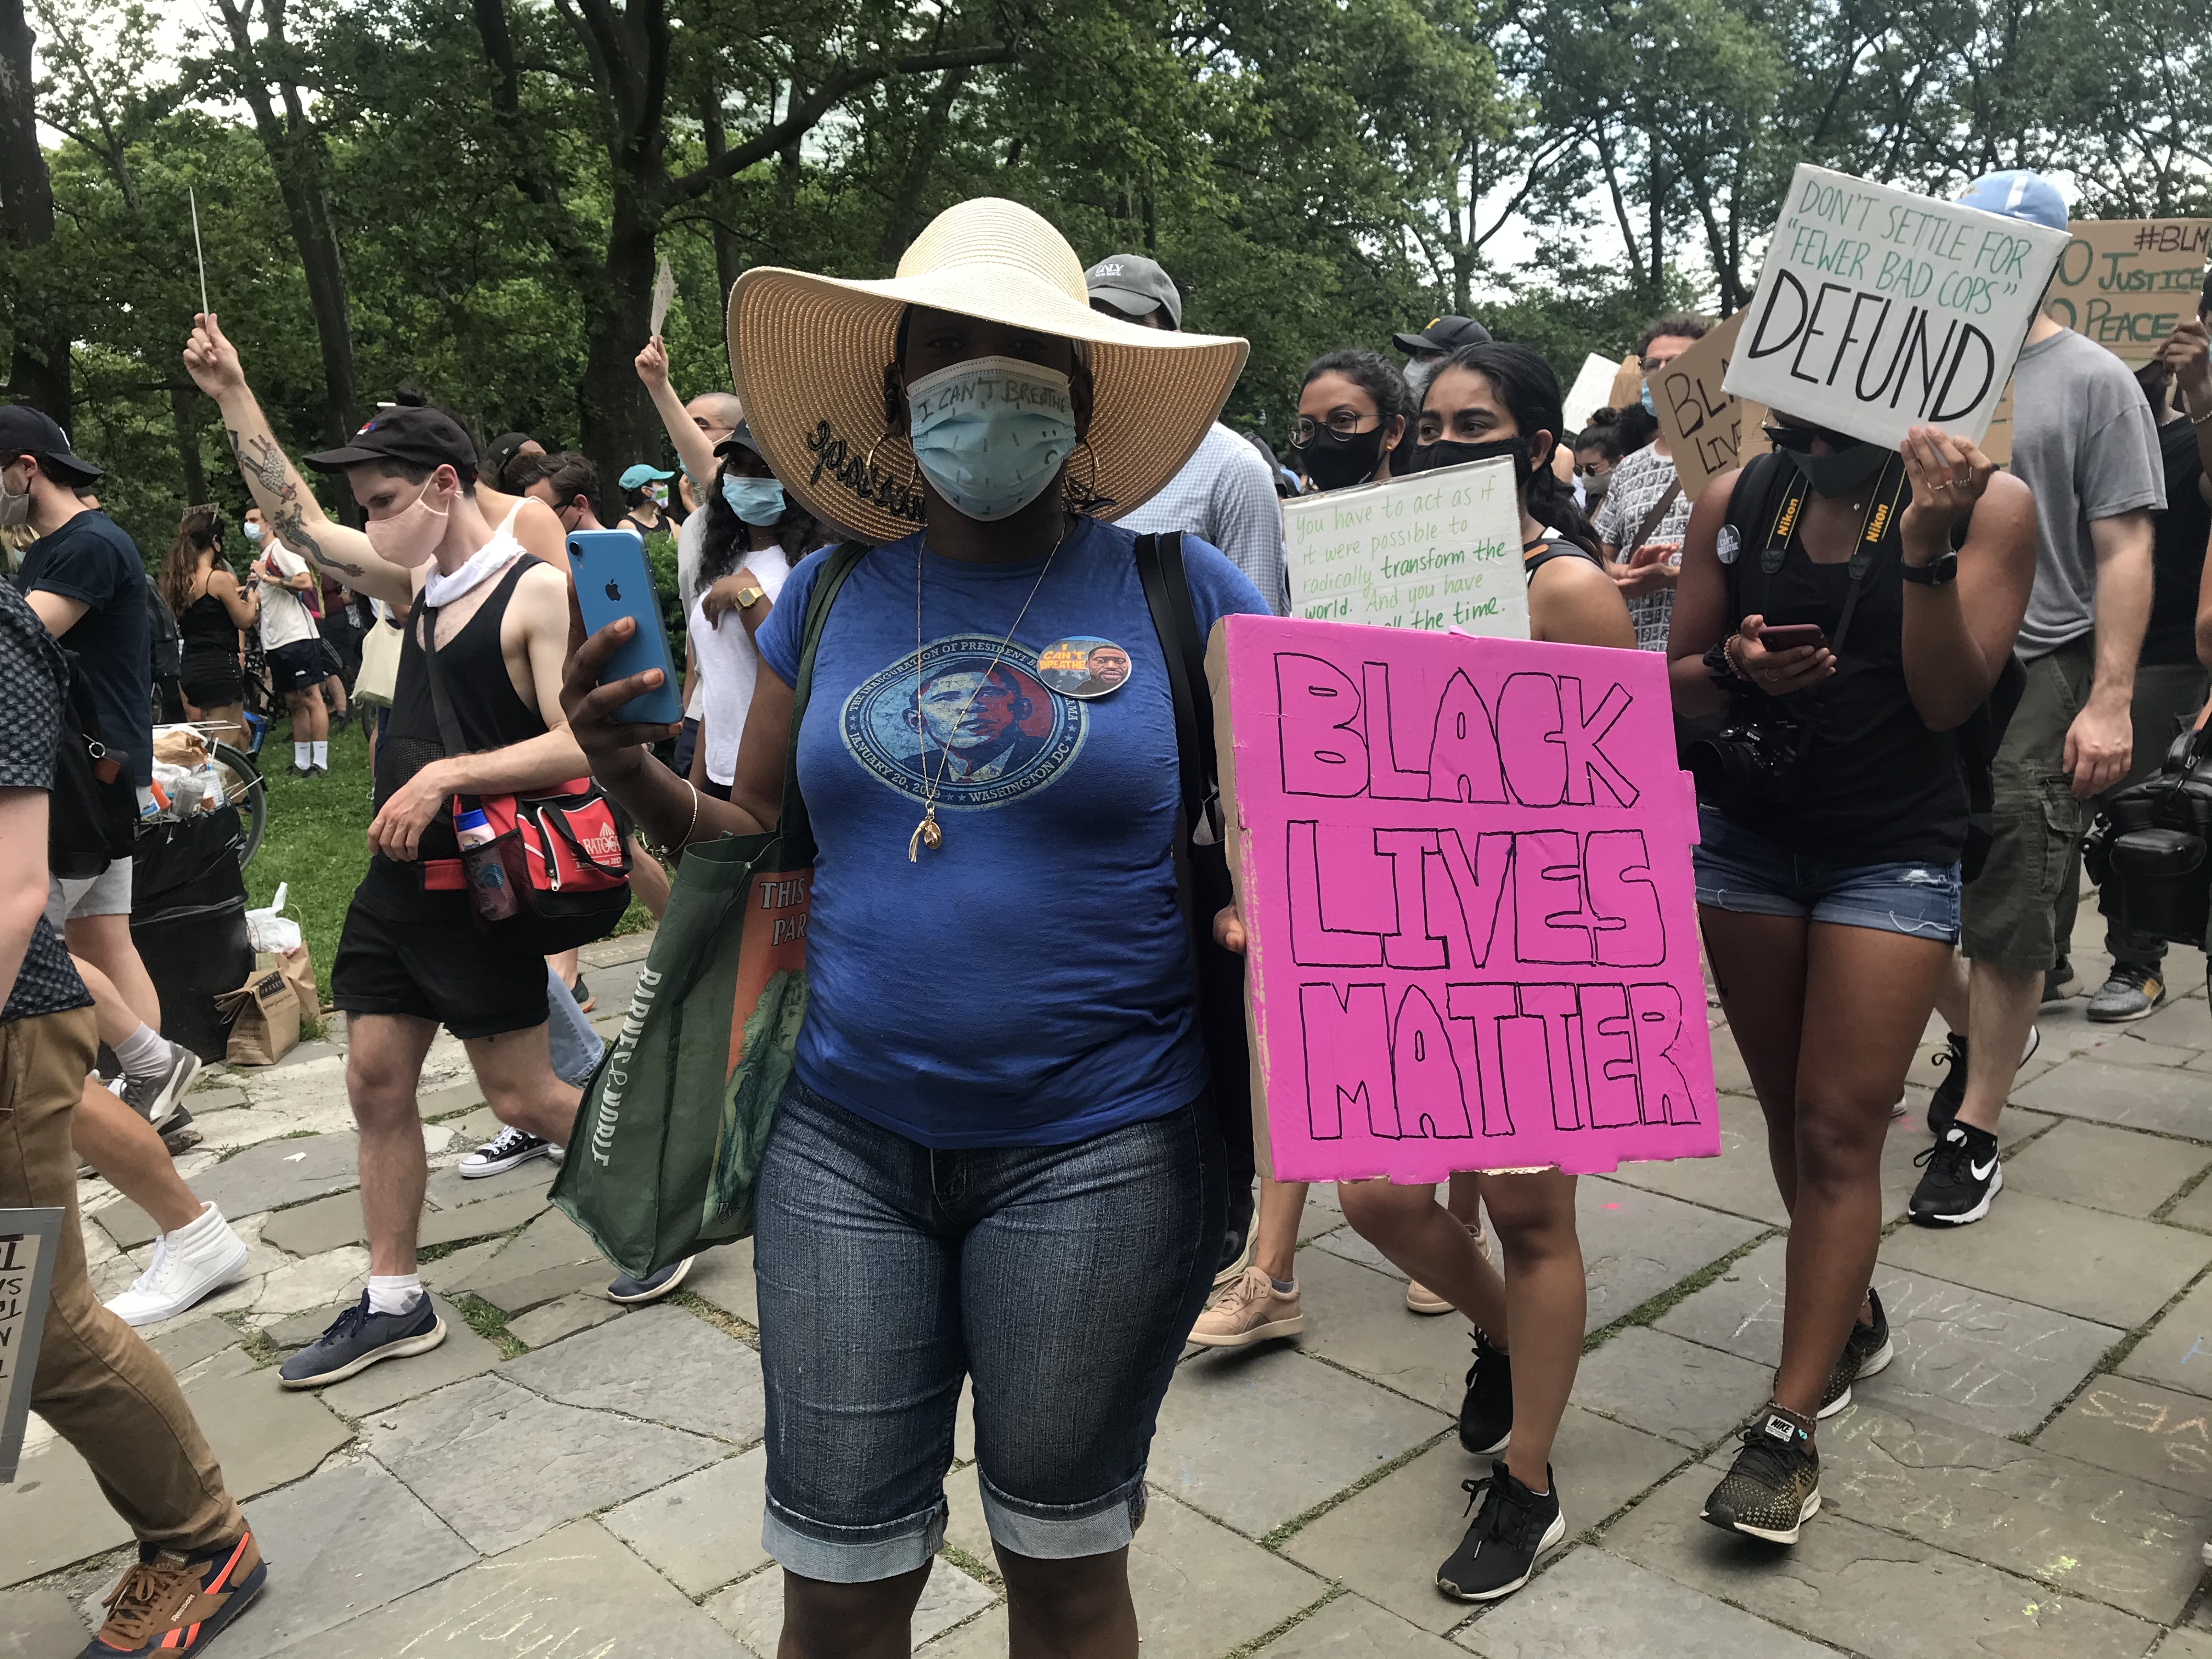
(1041, 1200)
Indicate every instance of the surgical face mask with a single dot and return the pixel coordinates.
(990, 434)
(755, 500)
(1338, 460)
(1644, 398)
(1595, 485)
(409, 536)
(15, 509)
(1446, 453)
(1418, 376)
(1843, 471)
(252, 531)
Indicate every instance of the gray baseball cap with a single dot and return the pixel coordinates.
(1135, 286)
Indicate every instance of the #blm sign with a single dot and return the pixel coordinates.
(1878, 310)
(1431, 550)
(1463, 867)
(2128, 283)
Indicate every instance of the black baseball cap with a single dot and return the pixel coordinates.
(741, 437)
(27, 431)
(410, 435)
(1135, 287)
(1443, 334)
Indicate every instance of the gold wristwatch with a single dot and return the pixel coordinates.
(750, 597)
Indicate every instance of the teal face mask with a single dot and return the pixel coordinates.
(755, 500)
(990, 434)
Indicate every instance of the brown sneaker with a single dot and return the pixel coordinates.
(1420, 1299)
(1249, 1311)
(177, 1604)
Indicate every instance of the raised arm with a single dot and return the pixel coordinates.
(690, 443)
(294, 515)
(1957, 635)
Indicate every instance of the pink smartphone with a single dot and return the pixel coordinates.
(1790, 636)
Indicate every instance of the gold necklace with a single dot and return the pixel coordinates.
(927, 833)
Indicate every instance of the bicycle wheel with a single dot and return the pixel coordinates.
(242, 787)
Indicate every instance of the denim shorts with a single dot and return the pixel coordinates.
(1063, 1279)
(1739, 869)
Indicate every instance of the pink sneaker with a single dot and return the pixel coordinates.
(1250, 1309)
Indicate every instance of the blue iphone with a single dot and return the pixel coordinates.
(613, 580)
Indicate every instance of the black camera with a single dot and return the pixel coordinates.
(1759, 757)
(2147, 850)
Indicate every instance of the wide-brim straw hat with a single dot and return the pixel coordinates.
(807, 354)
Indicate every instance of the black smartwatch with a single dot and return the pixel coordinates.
(1939, 572)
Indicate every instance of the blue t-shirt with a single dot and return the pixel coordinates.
(1028, 982)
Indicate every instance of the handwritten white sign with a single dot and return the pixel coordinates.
(1878, 310)
(1437, 551)
(28, 1242)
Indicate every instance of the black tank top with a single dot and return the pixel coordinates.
(1882, 788)
(486, 709)
(206, 629)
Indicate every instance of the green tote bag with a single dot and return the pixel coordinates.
(667, 1146)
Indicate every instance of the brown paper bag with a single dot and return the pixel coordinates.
(264, 1015)
(299, 970)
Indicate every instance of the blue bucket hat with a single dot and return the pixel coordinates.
(642, 474)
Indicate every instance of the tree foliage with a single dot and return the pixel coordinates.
(471, 195)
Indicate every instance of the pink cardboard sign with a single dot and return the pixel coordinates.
(1463, 868)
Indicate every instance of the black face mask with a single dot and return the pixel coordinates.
(1446, 453)
(1338, 460)
(1842, 471)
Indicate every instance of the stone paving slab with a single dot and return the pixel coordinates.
(2177, 1350)
(2183, 1644)
(550, 1257)
(1740, 1181)
(2139, 1430)
(267, 1176)
(659, 1363)
(449, 1190)
(501, 1466)
(462, 1354)
(703, 1530)
(1663, 1385)
(1592, 1602)
(1387, 1541)
(314, 1281)
(1352, 1628)
(1201, 1590)
(2194, 1211)
(1358, 1320)
(1868, 1590)
(576, 1591)
(185, 1344)
(40, 1624)
(2183, 1023)
(1637, 1244)
(2133, 1096)
(543, 1325)
(983, 1637)
(319, 1224)
(452, 1273)
(340, 1544)
(1202, 1453)
(752, 1610)
(1975, 1357)
(52, 1514)
(2023, 1508)
(2095, 1265)
(263, 1436)
(2122, 1170)
(723, 1277)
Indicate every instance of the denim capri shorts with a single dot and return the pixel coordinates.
(1060, 1280)
(1739, 869)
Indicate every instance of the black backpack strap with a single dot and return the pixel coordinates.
(1167, 591)
(1532, 562)
(835, 569)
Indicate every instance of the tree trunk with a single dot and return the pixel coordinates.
(618, 423)
(296, 156)
(912, 192)
(39, 374)
(185, 406)
(728, 261)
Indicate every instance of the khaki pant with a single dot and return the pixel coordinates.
(2009, 910)
(98, 1385)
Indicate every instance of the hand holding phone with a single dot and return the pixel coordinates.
(1790, 635)
(612, 581)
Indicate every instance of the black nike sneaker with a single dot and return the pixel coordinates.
(1774, 1486)
(1963, 1176)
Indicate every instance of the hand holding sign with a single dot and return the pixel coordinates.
(1948, 475)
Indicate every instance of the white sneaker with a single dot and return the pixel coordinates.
(189, 1266)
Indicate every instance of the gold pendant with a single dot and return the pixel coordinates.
(925, 834)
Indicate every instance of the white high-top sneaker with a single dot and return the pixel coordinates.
(189, 1266)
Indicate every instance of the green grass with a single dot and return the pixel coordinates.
(317, 842)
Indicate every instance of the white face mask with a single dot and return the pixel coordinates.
(15, 509)
(252, 531)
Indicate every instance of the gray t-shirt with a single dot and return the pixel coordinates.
(2084, 441)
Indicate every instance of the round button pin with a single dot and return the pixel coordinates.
(1084, 665)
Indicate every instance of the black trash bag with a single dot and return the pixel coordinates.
(188, 920)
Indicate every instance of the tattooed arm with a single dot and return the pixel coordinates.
(294, 515)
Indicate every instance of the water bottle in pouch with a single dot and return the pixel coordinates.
(490, 891)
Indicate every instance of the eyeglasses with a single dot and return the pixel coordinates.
(1653, 365)
(1592, 469)
(1342, 422)
(1798, 440)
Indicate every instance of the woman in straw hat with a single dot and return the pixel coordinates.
(996, 1158)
